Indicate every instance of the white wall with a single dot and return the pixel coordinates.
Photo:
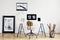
(47, 10)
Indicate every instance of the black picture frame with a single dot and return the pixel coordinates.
(21, 6)
(31, 16)
(8, 24)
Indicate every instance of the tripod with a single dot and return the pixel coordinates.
(42, 29)
(20, 29)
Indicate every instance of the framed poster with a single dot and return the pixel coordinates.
(31, 16)
(21, 6)
(8, 24)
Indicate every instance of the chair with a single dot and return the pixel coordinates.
(29, 24)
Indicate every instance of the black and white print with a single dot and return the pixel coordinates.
(8, 24)
(21, 6)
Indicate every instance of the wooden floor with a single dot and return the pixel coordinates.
(22, 37)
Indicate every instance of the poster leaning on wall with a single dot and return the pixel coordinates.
(8, 24)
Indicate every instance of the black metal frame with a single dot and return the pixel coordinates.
(13, 24)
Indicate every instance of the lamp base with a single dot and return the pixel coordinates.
(31, 34)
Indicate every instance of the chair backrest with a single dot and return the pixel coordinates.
(29, 23)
